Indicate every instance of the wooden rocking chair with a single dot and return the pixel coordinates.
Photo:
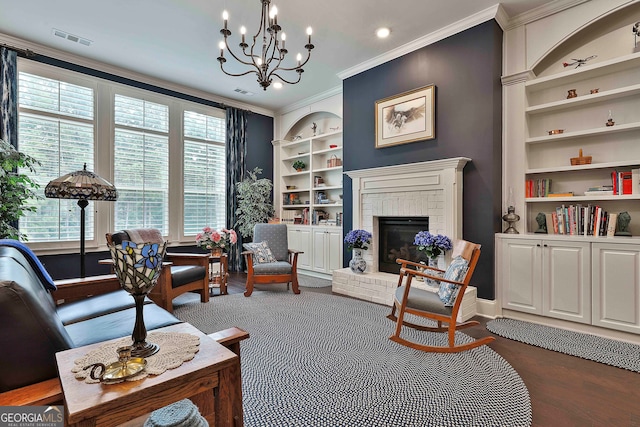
(428, 304)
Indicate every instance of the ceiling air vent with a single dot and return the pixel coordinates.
(243, 92)
(70, 37)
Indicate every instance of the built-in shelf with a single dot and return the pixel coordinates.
(584, 100)
(584, 133)
(582, 198)
(603, 165)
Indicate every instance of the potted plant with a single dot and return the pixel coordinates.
(254, 202)
(16, 189)
(299, 165)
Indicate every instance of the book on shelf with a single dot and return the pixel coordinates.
(564, 194)
(598, 193)
(611, 226)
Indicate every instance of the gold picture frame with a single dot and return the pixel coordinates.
(406, 117)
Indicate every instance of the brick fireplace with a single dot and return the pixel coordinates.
(430, 189)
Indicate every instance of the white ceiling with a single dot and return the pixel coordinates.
(177, 40)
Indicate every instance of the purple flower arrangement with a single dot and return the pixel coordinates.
(358, 239)
(432, 244)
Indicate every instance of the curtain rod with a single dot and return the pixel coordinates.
(25, 52)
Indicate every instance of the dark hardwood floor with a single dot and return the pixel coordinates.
(565, 390)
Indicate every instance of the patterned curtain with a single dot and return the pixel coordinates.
(8, 96)
(236, 165)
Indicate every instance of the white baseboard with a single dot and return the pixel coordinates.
(488, 308)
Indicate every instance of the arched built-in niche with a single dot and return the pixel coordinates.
(608, 36)
(325, 121)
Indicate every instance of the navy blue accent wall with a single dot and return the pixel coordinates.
(466, 70)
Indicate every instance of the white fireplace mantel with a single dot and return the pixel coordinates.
(412, 180)
(432, 189)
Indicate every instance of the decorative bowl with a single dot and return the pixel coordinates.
(556, 131)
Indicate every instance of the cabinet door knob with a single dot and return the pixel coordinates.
(538, 245)
(546, 246)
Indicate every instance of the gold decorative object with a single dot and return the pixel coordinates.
(580, 160)
(556, 131)
(125, 367)
(571, 93)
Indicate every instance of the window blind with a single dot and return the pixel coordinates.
(56, 126)
(141, 164)
(204, 172)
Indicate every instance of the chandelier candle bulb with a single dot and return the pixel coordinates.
(225, 17)
(243, 31)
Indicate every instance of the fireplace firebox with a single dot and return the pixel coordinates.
(395, 240)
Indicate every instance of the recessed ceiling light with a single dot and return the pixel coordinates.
(383, 32)
(277, 85)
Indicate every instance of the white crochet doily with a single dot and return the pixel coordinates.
(175, 349)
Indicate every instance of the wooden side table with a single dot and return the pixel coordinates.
(219, 279)
(211, 380)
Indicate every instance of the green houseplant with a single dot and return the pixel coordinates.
(299, 165)
(254, 202)
(16, 189)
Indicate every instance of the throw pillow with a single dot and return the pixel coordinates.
(456, 271)
(261, 252)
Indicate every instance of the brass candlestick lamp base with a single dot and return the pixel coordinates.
(511, 218)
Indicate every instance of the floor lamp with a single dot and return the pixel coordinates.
(84, 186)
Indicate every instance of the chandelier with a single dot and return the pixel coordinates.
(267, 50)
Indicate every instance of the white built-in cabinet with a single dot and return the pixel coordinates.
(327, 254)
(299, 238)
(309, 201)
(548, 277)
(616, 286)
(595, 281)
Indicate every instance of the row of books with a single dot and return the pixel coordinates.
(537, 187)
(627, 182)
(579, 220)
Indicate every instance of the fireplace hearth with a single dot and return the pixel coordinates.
(395, 240)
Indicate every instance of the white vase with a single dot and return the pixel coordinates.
(357, 264)
(433, 262)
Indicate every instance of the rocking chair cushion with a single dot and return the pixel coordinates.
(456, 272)
(261, 252)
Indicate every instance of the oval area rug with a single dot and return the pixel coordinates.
(324, 360)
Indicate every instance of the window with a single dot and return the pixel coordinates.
(165, 155)
(56, 126)
(141, 164)
(204, 172)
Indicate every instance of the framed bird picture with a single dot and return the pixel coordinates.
(407, 117)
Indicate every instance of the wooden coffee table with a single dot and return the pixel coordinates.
(211, 380)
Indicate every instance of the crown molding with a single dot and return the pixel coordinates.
(308, 101)
(443, 33)
(39, 49)
(521, 77)
(502, 18)
(541, 12)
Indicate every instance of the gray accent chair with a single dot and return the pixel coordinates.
(284, 270)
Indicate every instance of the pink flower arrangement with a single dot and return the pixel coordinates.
(211, 239)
